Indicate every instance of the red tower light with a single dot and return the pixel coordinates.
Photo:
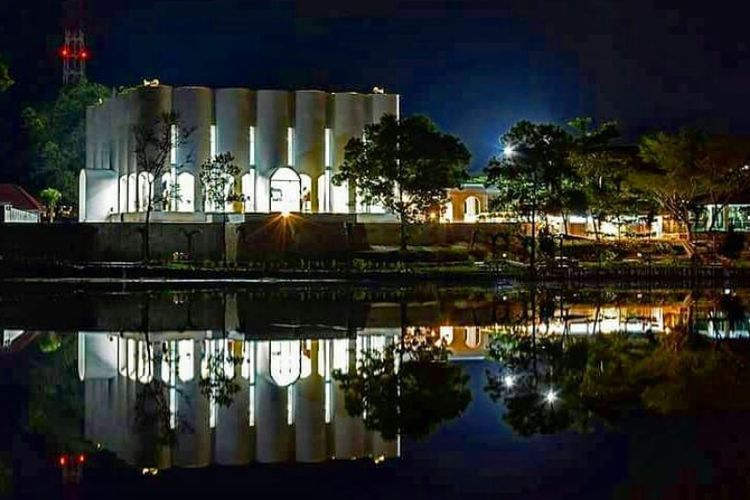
(81, 458)
(84, 54)
(64, 52)
(62, 460)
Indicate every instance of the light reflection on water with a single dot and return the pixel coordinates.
(192, 379)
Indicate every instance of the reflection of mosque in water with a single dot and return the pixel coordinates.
(287, 406)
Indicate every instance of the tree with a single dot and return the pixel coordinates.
(686, 170)
(217, 176)
(58, 137)
(534, 174)
(51, 197)
(601, 169)
(408, 388)
(723, 163)
(406, 166)
(5, 79)
(154, 141)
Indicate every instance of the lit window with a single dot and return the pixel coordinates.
(290, 146)
(328, 149)
(173, 140)
(290, 405)
(213, 141)
(251, 140)
(248, 189)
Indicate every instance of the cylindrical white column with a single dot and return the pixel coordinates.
(194, 109)
(350, 112)
(310, 124)
(274, 117)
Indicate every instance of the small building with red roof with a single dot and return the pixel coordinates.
(17, 205)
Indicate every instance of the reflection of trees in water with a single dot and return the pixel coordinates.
(406, 388)
(217, 383)
(153, 411)
(550, 383)
(55, 393)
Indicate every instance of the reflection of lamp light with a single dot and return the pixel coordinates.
(550, 397)
(285, 214)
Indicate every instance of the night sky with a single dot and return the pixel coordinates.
(475, 67)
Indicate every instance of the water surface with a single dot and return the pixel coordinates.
(326, 389)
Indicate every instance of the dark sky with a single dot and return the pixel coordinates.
(475, 67)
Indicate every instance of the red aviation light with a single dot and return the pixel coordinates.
(81, 458)
(84, 54)
(62, 460)
(64, 52)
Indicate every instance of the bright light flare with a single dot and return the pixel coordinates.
(509, 150)
(286, 213)
(550, 397)
(509, 381)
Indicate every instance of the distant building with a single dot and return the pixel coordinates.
(17, 205)
(288, 145)
(469, 203)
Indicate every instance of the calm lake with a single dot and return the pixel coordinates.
(331, 389)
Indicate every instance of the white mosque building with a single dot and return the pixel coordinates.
(288, 145)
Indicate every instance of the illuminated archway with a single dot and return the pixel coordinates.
(132, 190)
(145, 184)
(285, 362)
(340, 198)
(324, 181)
(211, 206)
(306, 193)
(185, 192)
(285, 190)
(471, 209)
(447, 215)
(248, 190)
(473, 337)
(446, 334)
(123, 194)
(165, 189)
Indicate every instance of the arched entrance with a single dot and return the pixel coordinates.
(471, 209)
(285, 191)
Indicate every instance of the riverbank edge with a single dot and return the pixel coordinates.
(408, 274)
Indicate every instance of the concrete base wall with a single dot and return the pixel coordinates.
(260, 237)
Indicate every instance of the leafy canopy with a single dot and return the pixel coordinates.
(217, 176)
(534, 176)
(688, 168)
(408, 388)
(405, 165)
(58, 137)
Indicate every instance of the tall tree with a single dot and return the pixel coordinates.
(406, 166)
(58, 138)
(534, 173)
(153, 147)
(218, 176)
(602, 167)
(407, 388)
